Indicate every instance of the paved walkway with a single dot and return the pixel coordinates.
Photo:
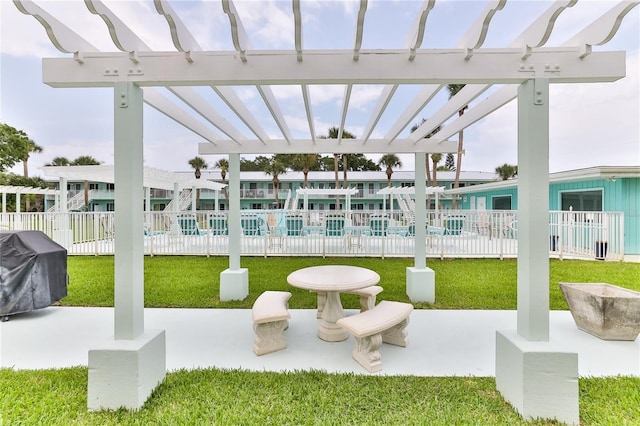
(441, 342)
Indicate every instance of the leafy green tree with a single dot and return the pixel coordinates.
(32, 147)
(453, 90)
(275, 169)
(12, 179)
(449, 163)
(360, 163)
(507, 171)
(198, 163)
(223, 165)
(256, 165)
(14, 146)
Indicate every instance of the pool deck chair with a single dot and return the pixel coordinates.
(294, 223)
(334, 226)
(218, 224)
(189, 225)
(453, 225)
(379, 225)
(252, 225)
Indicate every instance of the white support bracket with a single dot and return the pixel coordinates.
(540, 94)
(123, 97)
(538, 70)
(133, 57)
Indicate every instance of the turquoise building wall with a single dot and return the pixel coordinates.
(621, 195)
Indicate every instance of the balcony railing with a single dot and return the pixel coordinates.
(449, 234)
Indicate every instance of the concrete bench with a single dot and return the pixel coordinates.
(271, 316)
(386, 322)
(367, 298)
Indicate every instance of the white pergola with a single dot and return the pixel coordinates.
(18, 190)
(539, 379)
(151, 178)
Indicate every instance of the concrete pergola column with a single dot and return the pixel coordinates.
(533, 374)
(234, 281)
(421, 281)
(126, 369)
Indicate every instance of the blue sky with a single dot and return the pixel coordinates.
(591, 124)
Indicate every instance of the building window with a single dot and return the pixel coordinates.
(111, 207)
(582, 201)
(501, 203)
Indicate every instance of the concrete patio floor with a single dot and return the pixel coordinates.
(441, 342)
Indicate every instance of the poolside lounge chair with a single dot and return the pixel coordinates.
(453, 225)
(107, 227)
(334, 225)
(378, 225)
(252, 225)
(218, 224)
(294, 223)
(149, 232)
(189, 225)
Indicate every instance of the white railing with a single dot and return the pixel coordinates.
(460, 233)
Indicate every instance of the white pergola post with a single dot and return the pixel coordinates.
(536, 377)
(234, 281)
(4, 202)
(147, 199)
(421, 281)
(194, 199)
(176, 197)
(124, 371)
(62, 235)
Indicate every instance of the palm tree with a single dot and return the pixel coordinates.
(390, 161)
(453, 90)
(32, 147)
(332, 133)
(304, 163)
(436, 157)
(198, 163)
(59, 161)
(275, 169)
(507, 171)
(426, 162)
(85, 160)
(223, 165)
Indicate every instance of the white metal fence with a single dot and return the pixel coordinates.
(460, 233)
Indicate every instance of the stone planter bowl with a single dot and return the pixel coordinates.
(604, 310)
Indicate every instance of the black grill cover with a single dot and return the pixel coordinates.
(33, 271)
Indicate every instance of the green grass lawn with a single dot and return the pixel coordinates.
(194, 282)
(231, 397)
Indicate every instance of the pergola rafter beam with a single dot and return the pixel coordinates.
(242, 44)
(414, 41)
(359, 29)
(535, 35)
(341, 146)
(455, 104)
(306, 96)
(605, 26)
(182, 37)
(442, 66)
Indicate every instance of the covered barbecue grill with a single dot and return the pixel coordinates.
(33, 272)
